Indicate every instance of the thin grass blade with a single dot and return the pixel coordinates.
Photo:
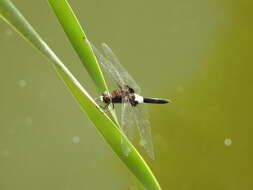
(81, 44)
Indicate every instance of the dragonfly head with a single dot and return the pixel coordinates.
(105, 97)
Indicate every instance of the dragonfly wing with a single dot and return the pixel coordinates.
(135, 119)
(124, 75)
(110, 71)
(127, 122)
(126, 125)
(144, 129)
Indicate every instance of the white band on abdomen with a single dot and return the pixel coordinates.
(138, 98)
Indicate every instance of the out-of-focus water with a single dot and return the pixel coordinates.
(197, 53)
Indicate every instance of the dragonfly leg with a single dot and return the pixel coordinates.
(133, 103)
(97, 100)
(105, 107)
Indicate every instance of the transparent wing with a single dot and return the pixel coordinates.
(110, 71)
(144, 129)
(137, 119)
(125, 76)
(127, 121)
(127, 125)
(113, 68)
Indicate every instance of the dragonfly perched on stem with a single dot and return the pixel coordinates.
(128, 94)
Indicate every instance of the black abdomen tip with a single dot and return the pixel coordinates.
(156, 101)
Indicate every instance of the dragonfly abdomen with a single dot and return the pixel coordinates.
(155, 101)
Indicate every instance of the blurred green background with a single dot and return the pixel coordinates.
(197, 53)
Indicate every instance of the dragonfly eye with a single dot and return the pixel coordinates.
(106, 99)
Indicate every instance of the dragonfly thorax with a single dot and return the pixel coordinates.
(121, 96)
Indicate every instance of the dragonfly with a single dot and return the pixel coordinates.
(133, 116)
